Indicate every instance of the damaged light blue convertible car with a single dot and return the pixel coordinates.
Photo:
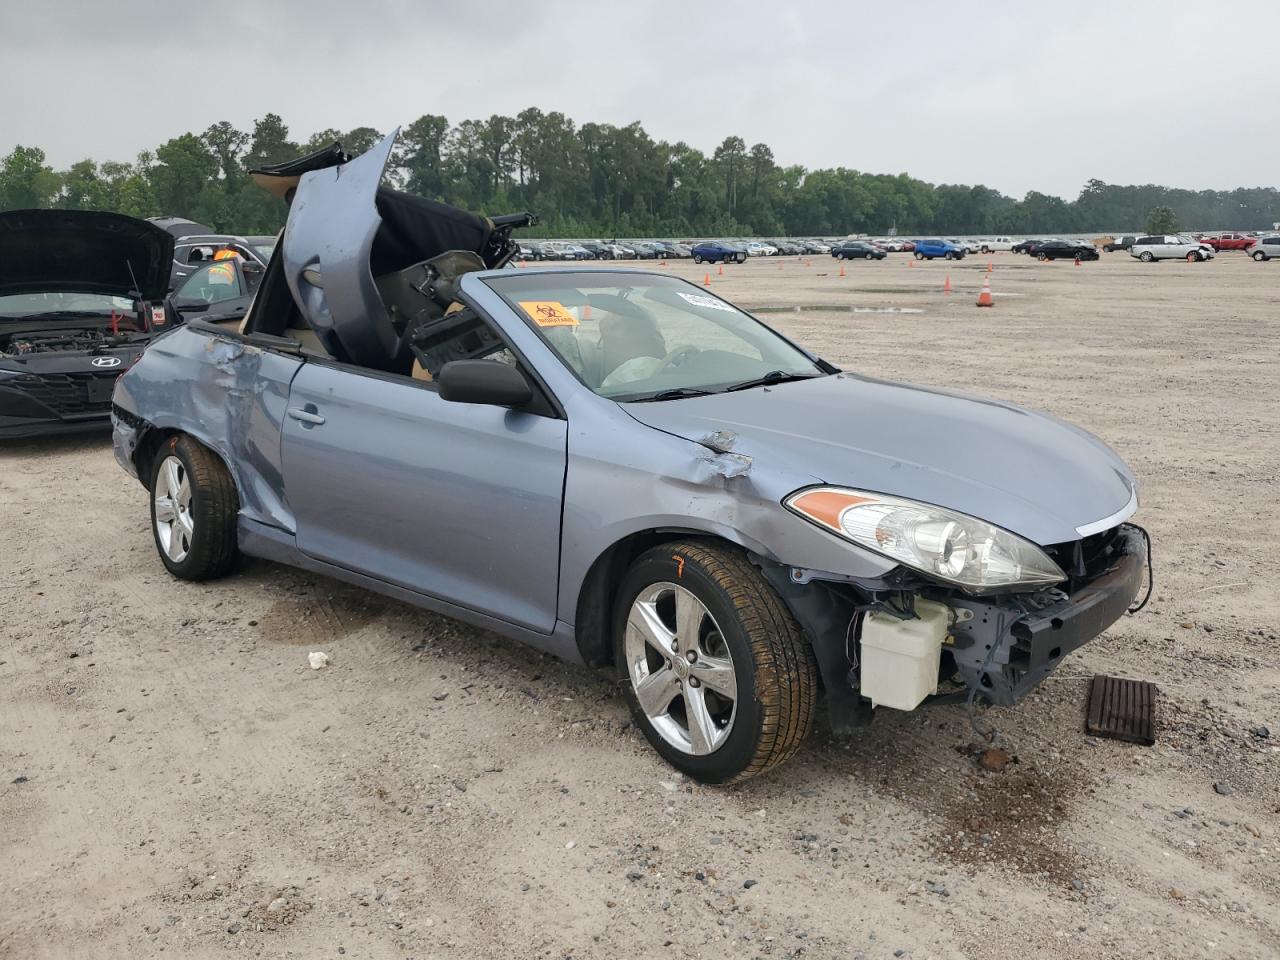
(625, 470)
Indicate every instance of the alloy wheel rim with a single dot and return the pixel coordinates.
(680, 669)
(174, 523)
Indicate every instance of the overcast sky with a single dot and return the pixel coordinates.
(1015, 96)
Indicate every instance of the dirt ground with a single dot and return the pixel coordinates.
(175, 781)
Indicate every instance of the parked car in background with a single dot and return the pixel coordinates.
(932, 249)
(70, 325)
(601, 251)
(857, 250)
(1025, 246)
(1267, 247)
(1170, 247)
(995, 245)
(1230, 241)
(757, 249)
(1066, 250)
(221, 290)
(1123, 242)
(718, 251)
(968, 246)
(816, 246)
(682, 250)
(636, 490)
(193, 251)
(908, 246)
(644, 250)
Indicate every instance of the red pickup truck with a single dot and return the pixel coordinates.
(1230, 241)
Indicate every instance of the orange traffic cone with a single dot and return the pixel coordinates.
(706, 279)
(946, 284)
(984, 298)
(842, 269)
(989, 265)
(720, 270)
(1077, 259)
(911, 263)
(663, 263)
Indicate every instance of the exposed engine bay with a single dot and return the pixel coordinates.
(83, 340)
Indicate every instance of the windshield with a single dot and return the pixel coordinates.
(33, 304)
(630, 337)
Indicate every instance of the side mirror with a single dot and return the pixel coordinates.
(484, 381)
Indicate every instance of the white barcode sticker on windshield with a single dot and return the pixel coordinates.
(698, 300)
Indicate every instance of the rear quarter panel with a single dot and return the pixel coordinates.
(228, 394)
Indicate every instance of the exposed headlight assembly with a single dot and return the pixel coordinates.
(950, 546)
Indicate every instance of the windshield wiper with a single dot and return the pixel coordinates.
(773, 376)
(675, 394)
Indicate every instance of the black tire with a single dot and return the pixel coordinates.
(697, 258)
(740, 258)
(1259, 256)
(775, 672)
(214, 505)
(1042, 257)
(870, 256)
(839, 256)
(1146, 256)
(949, 255)
(919, 256)
(985, 249)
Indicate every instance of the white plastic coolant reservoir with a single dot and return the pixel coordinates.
(900, 657)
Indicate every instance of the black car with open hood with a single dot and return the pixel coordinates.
(81, 294)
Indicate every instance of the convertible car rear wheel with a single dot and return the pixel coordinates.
(193, 511)
(716, 670)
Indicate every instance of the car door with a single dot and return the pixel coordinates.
(457, 501)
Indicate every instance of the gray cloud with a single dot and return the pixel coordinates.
(1005, 94)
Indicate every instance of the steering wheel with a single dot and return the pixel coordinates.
(674, 357)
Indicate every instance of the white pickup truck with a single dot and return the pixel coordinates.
(992, 244)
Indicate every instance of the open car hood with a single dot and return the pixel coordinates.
(83, 251)
(1026, 472)
(344, 231)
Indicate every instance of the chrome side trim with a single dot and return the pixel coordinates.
(1106, 523)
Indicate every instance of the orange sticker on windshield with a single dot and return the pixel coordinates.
(549, 313)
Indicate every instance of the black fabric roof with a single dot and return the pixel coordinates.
(416, 229)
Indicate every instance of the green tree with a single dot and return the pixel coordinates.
(1162, 220)
(26, 181)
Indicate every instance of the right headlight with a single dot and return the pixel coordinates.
(942, 543)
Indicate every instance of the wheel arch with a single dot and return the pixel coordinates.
(599, 591)
(151, 440)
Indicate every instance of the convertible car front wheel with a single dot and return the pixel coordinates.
(716, 670)
(193, 511)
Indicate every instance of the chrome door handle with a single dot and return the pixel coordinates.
(306, 416)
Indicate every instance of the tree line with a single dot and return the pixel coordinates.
(600, 180)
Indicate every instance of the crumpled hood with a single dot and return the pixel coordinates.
(1027, 472)
(83, 251)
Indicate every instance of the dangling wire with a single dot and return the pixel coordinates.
(971, 701)
(1151, 577)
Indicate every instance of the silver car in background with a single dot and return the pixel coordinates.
(1170, 247)
(625, 470)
